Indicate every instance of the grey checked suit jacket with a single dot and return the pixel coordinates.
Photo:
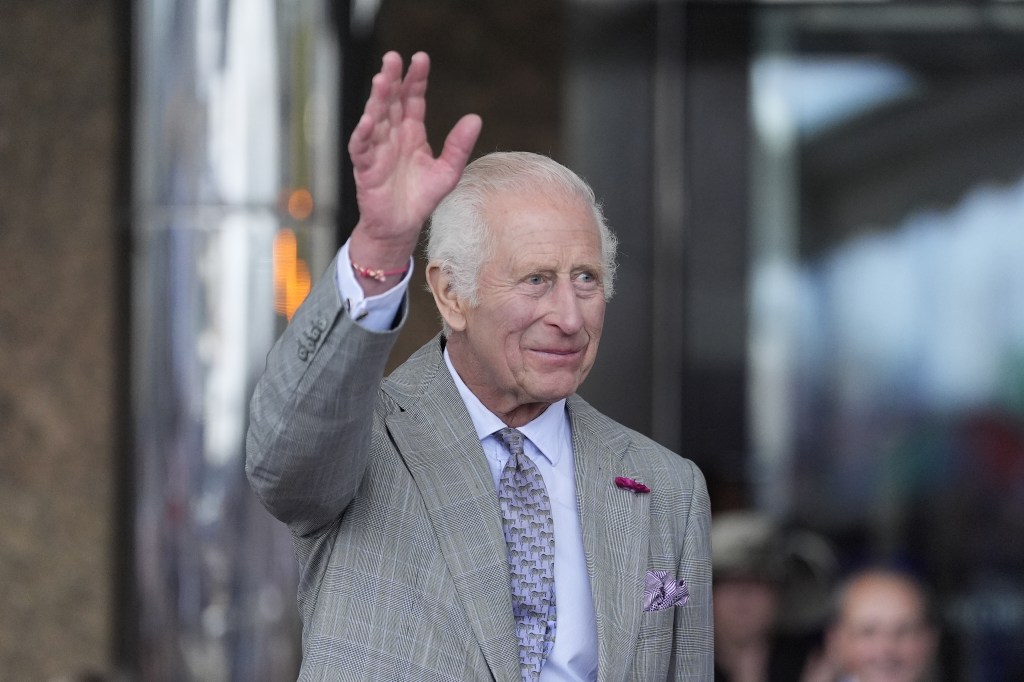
(397, 527)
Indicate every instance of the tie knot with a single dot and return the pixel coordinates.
(513, 440)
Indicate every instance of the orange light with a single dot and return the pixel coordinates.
(291, 274)
(300, 204)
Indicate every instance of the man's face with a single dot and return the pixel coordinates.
(533, 335)
(882, 635)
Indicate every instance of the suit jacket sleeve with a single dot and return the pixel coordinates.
(311, 414)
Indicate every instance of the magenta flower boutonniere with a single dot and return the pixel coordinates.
(630, 484)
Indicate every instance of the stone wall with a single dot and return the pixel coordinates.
(59, 67)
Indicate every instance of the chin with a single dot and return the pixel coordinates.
(553, 392)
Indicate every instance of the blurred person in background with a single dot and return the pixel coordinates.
(770, 594)
(882, 630)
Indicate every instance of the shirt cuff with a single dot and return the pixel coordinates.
(375, 313)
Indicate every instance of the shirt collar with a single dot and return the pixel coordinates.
(544, 431)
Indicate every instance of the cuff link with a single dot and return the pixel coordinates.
(359, 315)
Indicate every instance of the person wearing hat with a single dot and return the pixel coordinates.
(753, 568)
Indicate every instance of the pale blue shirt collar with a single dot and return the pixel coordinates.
(546, 431)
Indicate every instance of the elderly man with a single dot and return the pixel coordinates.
(470, 517)
(882, 631)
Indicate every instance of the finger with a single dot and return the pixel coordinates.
(384, 88)
(372, 124)
(392, 63)
(414, 87)
(360, 143)
(416, 77)
(460, 142)
(392, 70)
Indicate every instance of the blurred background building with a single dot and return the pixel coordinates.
(821, 214)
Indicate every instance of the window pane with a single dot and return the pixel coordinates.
(887, 300)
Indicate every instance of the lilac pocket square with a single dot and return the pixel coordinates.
(662, 591)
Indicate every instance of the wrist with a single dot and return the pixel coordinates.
(380, 254)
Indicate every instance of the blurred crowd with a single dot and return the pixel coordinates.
(785, 613)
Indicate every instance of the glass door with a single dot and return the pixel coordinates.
(886, 299)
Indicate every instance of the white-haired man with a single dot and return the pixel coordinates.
(470, 517)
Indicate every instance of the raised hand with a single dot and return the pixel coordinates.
(398, 180)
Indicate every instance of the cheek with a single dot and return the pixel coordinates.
(515, 315)
(498, 329)
(595, 318)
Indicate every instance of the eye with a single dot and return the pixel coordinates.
(535, 280)
(586, 279)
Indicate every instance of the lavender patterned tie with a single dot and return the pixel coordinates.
(530, 536)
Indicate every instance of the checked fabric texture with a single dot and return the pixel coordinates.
(530, 535)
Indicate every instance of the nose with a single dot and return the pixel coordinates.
(565, 312)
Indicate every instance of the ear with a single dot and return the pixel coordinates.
(451, 307)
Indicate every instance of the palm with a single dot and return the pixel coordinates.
(400, 182)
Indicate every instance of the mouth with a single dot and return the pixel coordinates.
(559, 355)
(560, 350)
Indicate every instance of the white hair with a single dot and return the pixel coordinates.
(458, 233)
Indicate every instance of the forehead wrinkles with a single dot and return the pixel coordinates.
(502, 205)
(543, 234)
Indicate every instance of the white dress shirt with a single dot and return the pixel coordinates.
(549, 445)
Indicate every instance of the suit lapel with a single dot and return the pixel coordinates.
(616, 528)
(436, 439)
